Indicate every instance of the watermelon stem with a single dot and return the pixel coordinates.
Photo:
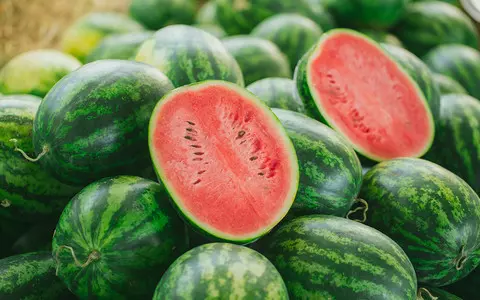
(461, 259)
(25, 155)
(5, 203)
(93, 256)
(424, 290)
(363, 208)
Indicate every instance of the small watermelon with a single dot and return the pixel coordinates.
(467, 288)
(292, 33)
(187, 55)
(207, 14)
(327, 257)
(382, 37)
(430, 212)
(213, 29)
(115, 239)
(217, 132)
(258, 58)
(94, 122)
(119, 46)
(277, 93)
(430, 293)
(36, 72)
(448, 85)
(155, 14)
(221, 271)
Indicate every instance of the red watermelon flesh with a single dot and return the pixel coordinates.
(225, 159)
(363, 94)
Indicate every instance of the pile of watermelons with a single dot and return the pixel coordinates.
(245, 149)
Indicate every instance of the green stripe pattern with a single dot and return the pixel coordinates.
(221, 271)
(428, 24)
(94, 122)
(31, 276)
(457, 143)
(258, 58)
(458, 62)
(155, 14)
(467, 288)
(119, 46)
(187, 55)
(277, 93)
(292, 33)
(430, 212)
(124, 234)
(327, 257)
(330, 171)
(448, 85)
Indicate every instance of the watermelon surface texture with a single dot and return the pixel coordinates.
(327, 257)
(36, 72)
(187, 55)
(119, 46)
(219, 132)
(448, 85)
(258, 58)
(155, 14)
(458, 62)
(115, 239)
(430, 212)
(382, 37)
(467, 288)
(94, 122)
(348, 82)
(277, 93)
(221, 271)
(330, 172)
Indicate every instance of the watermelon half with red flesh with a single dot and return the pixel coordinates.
(350, 83)
(225, 159)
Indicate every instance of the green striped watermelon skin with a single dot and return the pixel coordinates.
(457, 145)
(328, 257)
(430, 212)
(258, 58)
(302, 92)
(187, 55)
(155, 14)
(430, 293)
(458, 62)
(31, 276)
(277, 93)
(130, 232)
(119, 46)
(467, 288)
(382, 37)
(428, 24)
(448, 85)
(27, 191)
(221, 271)
(292, 33)
(94, 122)
(330, 171)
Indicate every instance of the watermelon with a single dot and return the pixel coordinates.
(27, 191)
(36, 72)
(457, 144)
(31, 276)
(426, 25)
(330, 172)
(116, 238)
(94, 122)
(448, 85)
(155, 14)
(348, 82)
(429, 293)
(382, 37)
(187, 55)
(119, 46)
(327, 257)
(213, 29)
(458, 62)
(467, 288)
(258, 58)
(207, 14)
(277, 93)
(87, 32)
(217, 132)
(292, 33)
(430, 212)
(221, 271)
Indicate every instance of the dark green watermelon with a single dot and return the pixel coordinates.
(431, 293)
(187, 54)
(221, 271)
(430, 212)
(119, 46)
(448, 85)
(330, 172)
(382, 37)
(428, 24)
(94, 122)
(31, 276)
(467, 288)
(116, 238)
(458, 62)
(327, 257)
(258, 58)
(155, 14)
(292, 33)
(277, 93)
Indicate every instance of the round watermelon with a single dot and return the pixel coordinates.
(119, 46)
(448, 85)
(277, 93)
(155, 14)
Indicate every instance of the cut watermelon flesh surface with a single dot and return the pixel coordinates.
(363, 94)
(225, 159)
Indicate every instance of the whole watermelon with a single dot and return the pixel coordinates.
(277, 93)
(430, 212)
(94, 122)
(119, 46)
(155, 14)
(115, 239)
(448, 85)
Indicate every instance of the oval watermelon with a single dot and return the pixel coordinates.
(155, 14)
(448, 85)
(119, 46)
(277, 93)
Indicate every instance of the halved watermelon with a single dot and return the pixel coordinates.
(348, 82)
(225, 159)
